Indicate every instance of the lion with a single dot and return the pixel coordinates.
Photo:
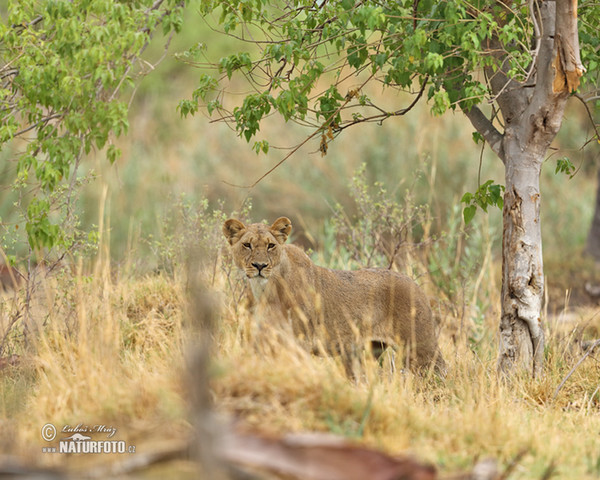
(340, 312)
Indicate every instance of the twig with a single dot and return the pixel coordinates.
(590, 116)
(538, 38)
(155, 6)
(534, 54)
(304, 142)
(385, 115)
(36, 124)
(585, 355)
(35, 21)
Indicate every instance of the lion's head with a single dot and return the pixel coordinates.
(257, 247)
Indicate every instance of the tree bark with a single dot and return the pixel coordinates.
(521, 332)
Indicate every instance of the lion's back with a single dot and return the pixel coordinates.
(382, 292)
(379, 303)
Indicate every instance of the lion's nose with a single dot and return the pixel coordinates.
(259, 266)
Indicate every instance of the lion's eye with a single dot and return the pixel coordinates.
(247, 245)
(270, 246)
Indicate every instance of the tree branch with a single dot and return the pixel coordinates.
(318, 131)
(385, 115)
(38, 123)
(589, 113)
(486, 128)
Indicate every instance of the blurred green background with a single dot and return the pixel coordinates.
(168, 160)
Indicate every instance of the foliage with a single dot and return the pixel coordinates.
(445, 51)
(589, 19)
(383, 232)
(187, 227)
(442, 47)
(63, 66)
(564, 165)
(487, 194)
(453, 260)
(135, 329)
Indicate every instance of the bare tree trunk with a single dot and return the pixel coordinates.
(521, 332)
(592, 247)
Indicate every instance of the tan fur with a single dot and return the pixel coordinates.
(338, 310)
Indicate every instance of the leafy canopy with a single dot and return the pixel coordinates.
(438, 47)
(310, 61)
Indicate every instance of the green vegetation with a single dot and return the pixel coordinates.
(65, 67)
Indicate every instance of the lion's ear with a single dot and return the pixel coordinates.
(232, 229)
(281, 228)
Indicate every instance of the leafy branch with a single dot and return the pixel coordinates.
(487, 195)
(63, 69)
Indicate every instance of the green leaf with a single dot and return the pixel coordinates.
(262, 146)
(206, 84)
(441, 102)
(347, 4)
(434, 62)
(212, 106)
(488, 194)
(564, 165)
(235, 62)
(469, 213)
(478, 137)
(113, 153)
(187, 107)
(73, 60)
(495, 195)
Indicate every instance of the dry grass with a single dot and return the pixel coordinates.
(452, 423)
(109, 353)
(112, 352)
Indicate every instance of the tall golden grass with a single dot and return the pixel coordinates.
(106, 353)
(111, 350)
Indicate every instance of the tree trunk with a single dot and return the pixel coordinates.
(532, 112)
(592, 247)
(521, 333)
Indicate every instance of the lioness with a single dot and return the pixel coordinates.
(341, 309)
